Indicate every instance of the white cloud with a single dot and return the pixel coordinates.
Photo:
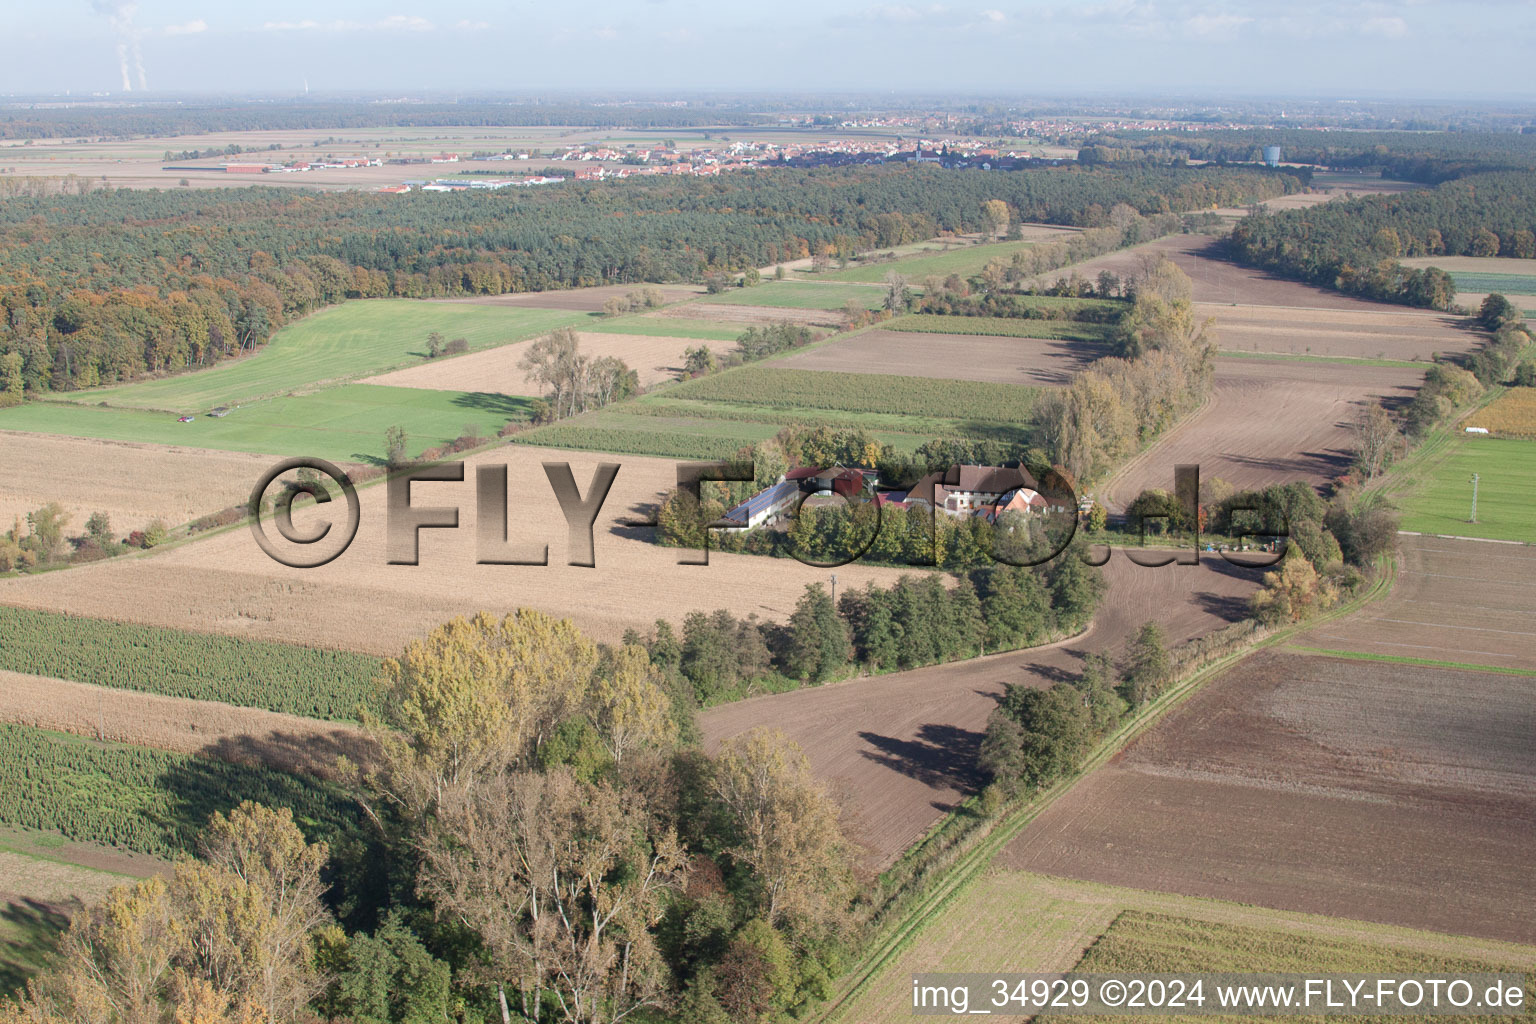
(994, 16)
(1218, 26)
(191, 28)
(393, 23)
(1390, 28)
(472, 26)
(606, 32)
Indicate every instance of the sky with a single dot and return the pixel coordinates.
(1395, 49)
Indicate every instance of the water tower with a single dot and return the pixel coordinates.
(1272, 155)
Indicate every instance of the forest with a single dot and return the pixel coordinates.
(1427, 157)
(109, 285)
(1354, 245)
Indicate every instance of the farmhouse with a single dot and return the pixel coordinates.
(773, 502)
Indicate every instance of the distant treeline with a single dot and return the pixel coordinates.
(1354, 245)
(107, 285)
(176, 119)
(1429, 157)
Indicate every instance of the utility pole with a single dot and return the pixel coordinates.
(1474, 499)
(834, 590)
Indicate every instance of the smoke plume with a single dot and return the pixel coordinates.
(129, 57)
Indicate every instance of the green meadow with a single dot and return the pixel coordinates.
(965, 261)
(1438, 498)
(341, 424)
(338, 344)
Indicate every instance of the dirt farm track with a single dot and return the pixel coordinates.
(900, 750)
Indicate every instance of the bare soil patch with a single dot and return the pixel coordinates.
(1217, 280)
(243, 735)
(1464, 601)
(588, 300)
(133, 483)
(1350, 334)
(732, 314)
(1268, 422)
(225, 584)
(1356, 789)
(956, 356)
(901, 749)
(496, 370)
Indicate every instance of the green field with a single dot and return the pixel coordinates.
(965, 261)
(1002, 326)
(1438, 496)
(932, 426)
(1507, 284)
(865, 392)
(341, 343)
(345, 424)
(802, 295)
(251, 673)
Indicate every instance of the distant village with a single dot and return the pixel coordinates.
(596, 163)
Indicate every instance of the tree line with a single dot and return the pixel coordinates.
(112, 284)
(1354, 246)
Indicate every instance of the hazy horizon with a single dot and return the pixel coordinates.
(1426, 49)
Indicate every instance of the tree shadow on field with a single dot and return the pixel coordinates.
(316, 754)
(941, 756)
(638, 522)
(1227, 607)
(28, 937)
(508, 407)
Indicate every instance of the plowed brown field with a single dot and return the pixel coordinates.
(225, 584)
(1351, 334)
(1472, 602)
(955, 356)
(1348, 788)
(1268, 422)
(901, 749)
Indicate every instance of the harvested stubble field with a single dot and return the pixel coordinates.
(132, 483)
(1469, 602)
(358, 602)
(1017, 921)
(243, 735)
(654, 358)
(1036, 361)
(1367, 333)
(584, 300)
(901, 749)
(1326, 785)
(1234, 437)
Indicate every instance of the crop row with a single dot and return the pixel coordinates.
(333, 685)
(865, 392)
(1001, 326)
(666, 444)
(150, 801)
